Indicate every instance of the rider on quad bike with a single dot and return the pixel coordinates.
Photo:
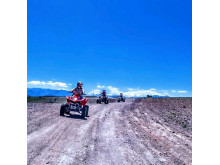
(102, 98)
(79, 89)
(103, 94)
(121, 98)
(76, 102)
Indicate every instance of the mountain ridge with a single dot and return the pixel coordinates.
(35, 92)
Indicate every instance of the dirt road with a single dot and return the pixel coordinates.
(117, 133)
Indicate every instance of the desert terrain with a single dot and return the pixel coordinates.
(151, 131)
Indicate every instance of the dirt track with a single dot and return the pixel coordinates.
(117, 133)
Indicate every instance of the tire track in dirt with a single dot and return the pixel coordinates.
(42, 142)
(150, 134)
(65, 139)
(113, 134)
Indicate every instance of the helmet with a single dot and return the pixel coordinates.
(79, 83)
(103, 90)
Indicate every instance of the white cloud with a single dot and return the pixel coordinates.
(48, 84)
(35, 82)
(131, 92)
(131, 89)
(110, 90)
(141, 93)
(113, 90)
(182, 91)
(135, 92)
(94, 92)
(99, 86)
(61, 89)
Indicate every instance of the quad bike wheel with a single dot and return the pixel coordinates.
(83, 115)
(62, 110)
(85, 111)
(106, 101)
(124, 100)
(97, 101)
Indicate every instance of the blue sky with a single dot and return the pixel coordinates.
(139, 47)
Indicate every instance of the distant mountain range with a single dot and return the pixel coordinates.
(53, 92)
(46, 92)
(116, 96)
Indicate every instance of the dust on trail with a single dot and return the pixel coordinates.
(117, 133)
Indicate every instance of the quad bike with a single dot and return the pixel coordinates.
(74, 103)
(121, 99)
(102, 99)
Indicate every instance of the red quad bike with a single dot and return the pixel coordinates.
(75, 104)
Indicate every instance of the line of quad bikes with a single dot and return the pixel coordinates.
(77, 104)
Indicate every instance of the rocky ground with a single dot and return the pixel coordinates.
(140, 131)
